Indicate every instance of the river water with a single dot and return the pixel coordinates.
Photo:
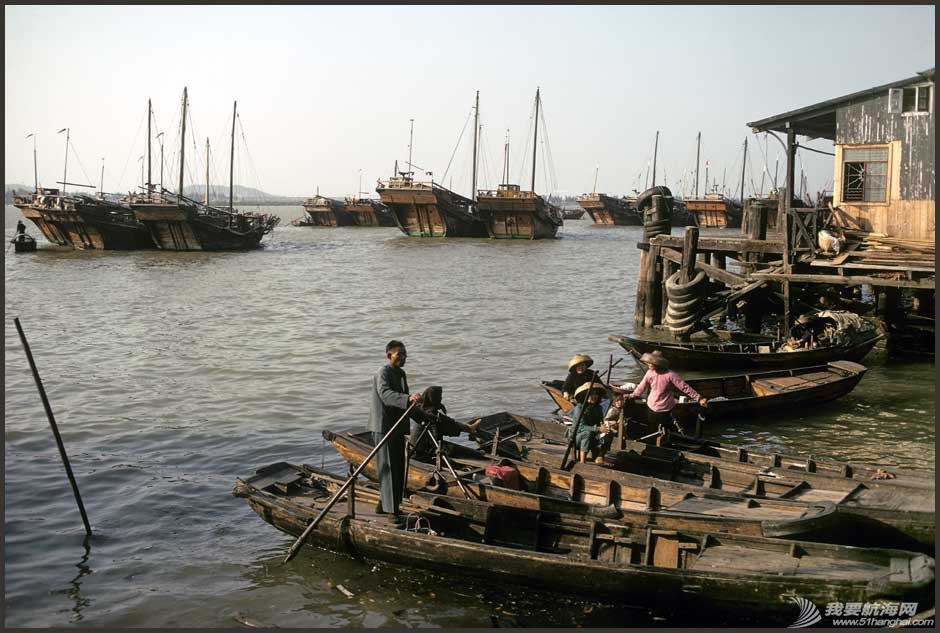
(172, 374)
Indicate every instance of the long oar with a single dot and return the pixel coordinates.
(55, 429)
(313, 524)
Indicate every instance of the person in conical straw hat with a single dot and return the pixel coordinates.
(588, 398)
(663, 384)
(578, 374)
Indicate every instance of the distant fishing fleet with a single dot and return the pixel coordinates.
(156, 217)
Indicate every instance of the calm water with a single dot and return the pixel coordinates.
(171, 374)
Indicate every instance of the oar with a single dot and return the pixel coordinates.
(611, 366)
(313, 524)
(577, 424)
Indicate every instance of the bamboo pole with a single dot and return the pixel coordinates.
(55, 428)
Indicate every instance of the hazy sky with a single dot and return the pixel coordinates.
(326, 91)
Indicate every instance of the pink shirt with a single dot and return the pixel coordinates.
(663, 388)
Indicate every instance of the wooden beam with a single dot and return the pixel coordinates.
(722, 275)
(928, 283)
(903, 268)
(722, 244)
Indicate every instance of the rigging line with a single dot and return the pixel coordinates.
(548, 150)
(130, 151)
(525, 150)
(75, 154)
(251, 162)
(456, 147)
(483, 162)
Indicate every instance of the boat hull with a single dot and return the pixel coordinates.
(554, 490)
(518, 217)
(723, 574)
(608, 211)
(706, 356)
(369, 214)
(716, 213)
(88, 223)
(431, 211)
(181, 228)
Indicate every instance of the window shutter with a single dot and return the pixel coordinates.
(894, 100)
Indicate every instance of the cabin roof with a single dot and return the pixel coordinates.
(819, 120)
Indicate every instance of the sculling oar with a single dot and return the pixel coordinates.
(577, 424)
(55, 429)
(313, 524)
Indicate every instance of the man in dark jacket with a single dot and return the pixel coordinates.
(390, 398)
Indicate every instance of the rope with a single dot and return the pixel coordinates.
(75, 154)
(130, 151)
(525, 150)
(251, 164)
(454, 153)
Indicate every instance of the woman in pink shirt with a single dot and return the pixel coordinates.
(663, 385)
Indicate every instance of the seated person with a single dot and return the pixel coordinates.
(431, 413)
(802, 334)
(578, 374)
(588, 418)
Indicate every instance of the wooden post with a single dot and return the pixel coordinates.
(655, 222)
(785, 223)
(689, 247)
(653, 314)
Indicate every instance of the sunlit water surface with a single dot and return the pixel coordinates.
(171, 374)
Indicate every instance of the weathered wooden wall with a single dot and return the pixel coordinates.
(910, 208)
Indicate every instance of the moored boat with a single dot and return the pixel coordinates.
(756, 354)
(83, 221)
(758, 394)
(324, 211)
(609, 211)
(23, 243)
(909, 510)
(729, 573)
(510, 425)
(714, 211)
(368, 212)
(636, 503)
(178, 223)
(426, 209)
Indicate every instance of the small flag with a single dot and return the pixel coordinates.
(62, 130)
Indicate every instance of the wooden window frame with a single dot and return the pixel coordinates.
(887, 175)
(918, 89)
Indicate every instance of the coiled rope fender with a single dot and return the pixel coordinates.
(684, 303)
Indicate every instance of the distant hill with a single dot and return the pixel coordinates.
(218, 194)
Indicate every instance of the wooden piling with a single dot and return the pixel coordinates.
(647, 311)
(689, 251)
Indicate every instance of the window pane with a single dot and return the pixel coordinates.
(859, 154)
(853, 181)
(923, 99)
(878, 169)
(910, 95)
(874, 195)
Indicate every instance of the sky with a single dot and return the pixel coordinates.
(326, 93)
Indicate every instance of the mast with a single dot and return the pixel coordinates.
(411, 136)
(231, 164)
(149, 117)
(776, 165)
(706, 177)
(205, 200)
(655, 149)
(742, 170)
(535, 140)
(35, 169)
(698, 151)
(596, 169)
(101, 188)
(182, 145)
(65, 170)
(476, 128)
(506, 160)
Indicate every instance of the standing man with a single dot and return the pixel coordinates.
(20, 227)
(390, 398)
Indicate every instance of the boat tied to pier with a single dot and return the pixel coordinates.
(323, 211)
